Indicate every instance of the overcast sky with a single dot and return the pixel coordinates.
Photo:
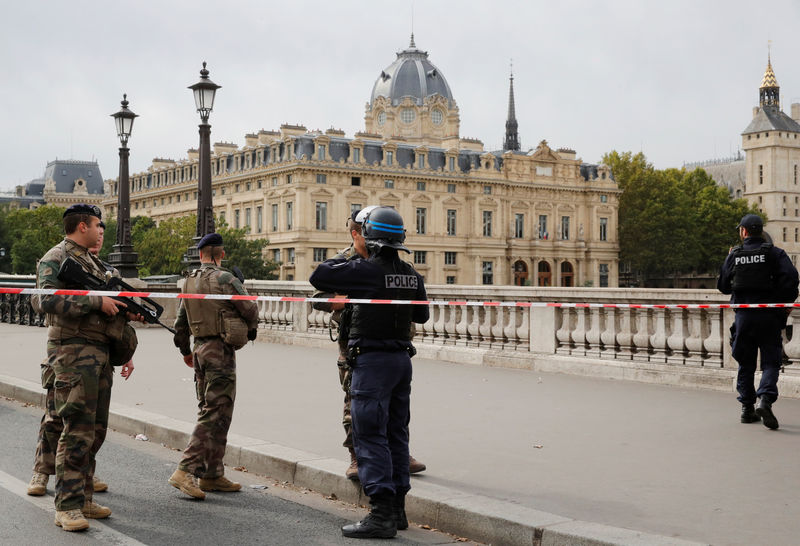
(676, 80)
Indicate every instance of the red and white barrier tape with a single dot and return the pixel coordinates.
(165, 295)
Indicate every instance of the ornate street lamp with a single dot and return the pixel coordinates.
(204, 93)
(123, 257)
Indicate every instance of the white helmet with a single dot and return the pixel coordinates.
(362, 214)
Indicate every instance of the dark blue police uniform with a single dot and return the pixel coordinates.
(758, 272)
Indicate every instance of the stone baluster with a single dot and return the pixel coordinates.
(510, 330)
(273, 314)
(579, 333)
(625, 335)
(450, 312)
(563, 334)
(608, 337)
(440, 332)
(523, 330)
(262, 312)
(641, 339)
(462, 311)
(289, 315)
(677, 337)
(498, 326)
(486, 326)
(792, 346)
(474, 328)
(658, 339)
(713, 342)
(593, 348)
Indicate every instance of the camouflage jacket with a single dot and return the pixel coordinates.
(226, 283)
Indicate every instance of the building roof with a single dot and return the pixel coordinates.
(411, 75)
(65, 172)
(771, 118)
(769, 79)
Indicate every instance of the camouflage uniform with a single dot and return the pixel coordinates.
(79, 374)
(215, 369)
(342, 317)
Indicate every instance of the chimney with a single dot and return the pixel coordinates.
(796, 111)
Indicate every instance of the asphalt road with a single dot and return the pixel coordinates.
(147, 510)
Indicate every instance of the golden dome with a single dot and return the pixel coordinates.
(769, 79)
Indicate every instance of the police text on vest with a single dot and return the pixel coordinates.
(401, 281)
(743, 260)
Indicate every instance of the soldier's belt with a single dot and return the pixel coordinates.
(81, 341)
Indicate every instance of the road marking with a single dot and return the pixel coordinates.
(97, 530)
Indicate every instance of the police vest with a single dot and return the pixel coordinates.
(751, 270)
(208, 317)
(378, 321)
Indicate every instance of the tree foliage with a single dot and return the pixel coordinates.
(672, 221)
(31, 233)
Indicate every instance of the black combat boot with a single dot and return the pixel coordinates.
(399, 512)
(749, 414)
(377, 524)
(764, 410)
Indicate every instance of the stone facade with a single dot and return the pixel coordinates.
(65, 182)
(472, 216)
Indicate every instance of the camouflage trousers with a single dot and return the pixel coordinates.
(76, 419)
(215, 383)
(345, 375)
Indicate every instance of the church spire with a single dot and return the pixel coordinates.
(769, 93)
(511, 141)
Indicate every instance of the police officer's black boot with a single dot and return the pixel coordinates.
(764, 410)
(378, 523)
(749, 414)
(399, 512)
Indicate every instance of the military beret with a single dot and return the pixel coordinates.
(212, 239)
(83, 208)
(102, 224)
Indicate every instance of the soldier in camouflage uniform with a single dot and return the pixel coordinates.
(219, 327)
(341, 314)
(81, 329)
(51, 426)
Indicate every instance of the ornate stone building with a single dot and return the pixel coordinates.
(473, 216)
(65, 182)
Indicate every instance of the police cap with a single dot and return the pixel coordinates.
(212, 239)
(83, 208)
(752, 223)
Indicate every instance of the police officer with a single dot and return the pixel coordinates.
(220, 328)
(758, 272)
(51, 425)
(81, 331)
(381, 350)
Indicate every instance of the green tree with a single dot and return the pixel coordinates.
(109, 238)
(5, 241)
(31, 233)
(161, 247)
(246, 254)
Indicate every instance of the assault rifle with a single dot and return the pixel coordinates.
(72, 273)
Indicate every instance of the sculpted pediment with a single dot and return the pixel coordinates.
(543, 152)
(356, 194)
(452, 201)
(321, 193)
(421, 198)
(487, 202)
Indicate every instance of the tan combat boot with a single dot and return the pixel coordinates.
(38, 485)
(219, 484)
(186, 483)
(71, 520)
(352, 471)
(92, 510)
(415, 466)
(99, 485)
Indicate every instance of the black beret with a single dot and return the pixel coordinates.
(212, 239)
(102, 224)
(83, 208)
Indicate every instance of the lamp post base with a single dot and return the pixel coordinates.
(124, 259)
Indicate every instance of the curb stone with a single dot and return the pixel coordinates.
(473, 516)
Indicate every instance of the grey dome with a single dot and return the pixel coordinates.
(411, 75)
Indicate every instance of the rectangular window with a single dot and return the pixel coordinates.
(519, 226)
(356, 155)
(487, 272)
(451, 221)
(260, 184)
(236, 219)
(222, 216)
(276, 255)
(288, 178)
(355, 207)
(388, 184)
(274, 180)
(389, 158)
(761, 174)
(421, 161)
(289, 216)
(237, 188)
(422, 214)
(603, 229)
(795, 176)
(449, 258)
(603, 198)
(248, 224)
(420, 186)
(275, 217)
(565, 228)
(543, 227)
(450, 279)
(355, 180)
(419, 257)
(451, 188)
(784, 235)
(796, 234)
(259, 219)
(290, 255)
(321, 217)
(487, 224)
(451, 164)
(322, 179)
(603, 275)
(320, 254)
(247, 186)
(178, 197)
(487, 190)
(321, 152)
(223, 191)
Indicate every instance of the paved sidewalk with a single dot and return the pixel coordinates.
(660, 460)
